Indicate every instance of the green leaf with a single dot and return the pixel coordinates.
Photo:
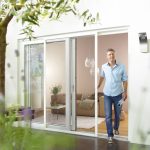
(73, 12)
(12, 1)
(59, 3)
(97, 16)
(22, 1)
(32, 21)
(85, 12)
(51, 15)
(47, 7)
(84, 24)
(77, 1)
(89, 16)
(58, 15)
(68, 10)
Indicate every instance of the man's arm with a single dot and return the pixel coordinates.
(125, 86)
(100, 81)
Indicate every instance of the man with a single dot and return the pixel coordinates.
(115, 90)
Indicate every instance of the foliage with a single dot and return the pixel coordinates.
(31, 13)
(56, 89)
(21, 137)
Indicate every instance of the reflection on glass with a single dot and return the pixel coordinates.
(85, 99)
(34, 81)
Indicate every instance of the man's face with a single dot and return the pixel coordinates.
(111, 56)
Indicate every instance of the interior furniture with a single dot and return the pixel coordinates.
(84, 107)
(56, 107)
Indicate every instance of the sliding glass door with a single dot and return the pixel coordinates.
(58, 84)
(48, 84)
(61, 78)
(119, 42)
(55, 83)
(85, 83)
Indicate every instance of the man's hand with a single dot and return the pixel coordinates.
(101, 79)
(124, 95)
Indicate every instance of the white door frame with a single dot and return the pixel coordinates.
(120, 31)
(67, 80)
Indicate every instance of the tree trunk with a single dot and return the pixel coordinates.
(3, 32)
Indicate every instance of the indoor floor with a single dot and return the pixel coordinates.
(123, 129)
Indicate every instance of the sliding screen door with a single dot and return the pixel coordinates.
(85, 83)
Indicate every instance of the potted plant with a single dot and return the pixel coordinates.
(54, 91)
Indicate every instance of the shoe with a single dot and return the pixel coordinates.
(116, 132)
(110, 140)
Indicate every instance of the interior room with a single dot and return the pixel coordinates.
(119, 42)
(85, 76)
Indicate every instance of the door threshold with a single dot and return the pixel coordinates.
(117, 137)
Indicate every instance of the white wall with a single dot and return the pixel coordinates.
(11, 80)
(113, 13)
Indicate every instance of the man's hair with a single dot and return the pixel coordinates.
(110, 50)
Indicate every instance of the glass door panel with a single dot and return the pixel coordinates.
(56, 83)
(34, 81)
(85, 83)
(119, 42)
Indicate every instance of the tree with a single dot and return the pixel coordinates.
(30, 13)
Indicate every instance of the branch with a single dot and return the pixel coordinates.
(7, 19)
(9, 16)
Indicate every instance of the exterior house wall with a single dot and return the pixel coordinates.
(112, 13)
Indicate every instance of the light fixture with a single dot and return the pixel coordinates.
(89, 62)
(143, 42)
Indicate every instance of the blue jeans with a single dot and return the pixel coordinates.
(108, 102)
